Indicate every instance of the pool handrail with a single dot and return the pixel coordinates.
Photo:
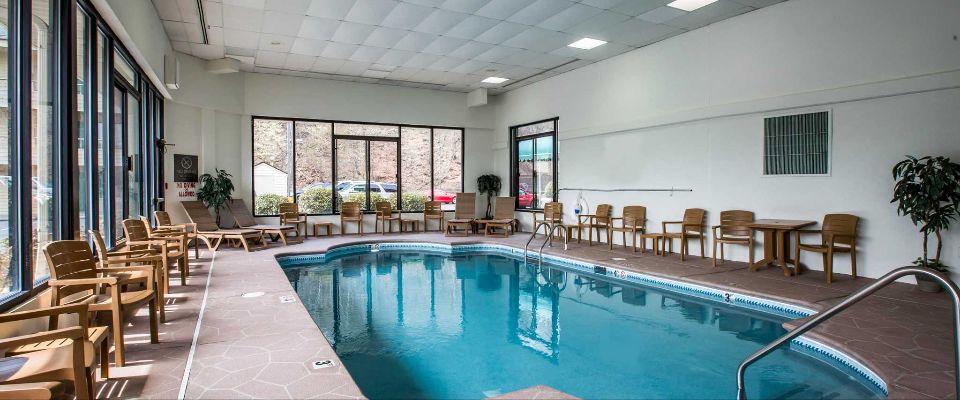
(864, 292)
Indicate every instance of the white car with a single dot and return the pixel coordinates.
(384, 189)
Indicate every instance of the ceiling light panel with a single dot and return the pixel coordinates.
(495, 80)
(587, 43)
(690, 5)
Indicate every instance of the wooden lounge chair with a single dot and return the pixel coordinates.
(838, 229)
(73, 270)
(464, 215)
(162, 218)
(31, 391)
(350, 212)
(733, 229)
(290, 215)
(504, 222)
(598, 221)
(245, 220)
(211, 234)
(692, 227)
(145, 256)
(433, 210)
(634, 221)
(386, 214)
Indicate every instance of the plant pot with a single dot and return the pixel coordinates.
(925, 284)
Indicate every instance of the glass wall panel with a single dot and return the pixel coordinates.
(543, 158)
(272, 164)
(352, 171)
(41, 163)
(133, 164)
(383, 172)
(314, 167)
(447, 165)
(103, 132)
(9, 273)
(366, 130)
(126, 71)
(83, 118)
(415, 171)
(525, 174)
(119, 212)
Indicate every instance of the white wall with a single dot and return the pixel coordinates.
(687, 113)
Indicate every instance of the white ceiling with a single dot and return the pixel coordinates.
(438, 44)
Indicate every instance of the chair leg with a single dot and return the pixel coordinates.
(796, 254)
(154, 326)
(196, 249)
(81, 381)
(683, 246)
(117, 327)
(829, 264)
(105, 359)
(715, 252)
(183, 271)
(853, 261)
(750, 250)
(701, 246)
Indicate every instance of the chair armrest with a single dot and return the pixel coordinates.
(151, 242)
(78, 308)
(107, 280)
(73, 332)
(32, 390)
(168, 235)
(131, 268)
(615, 218)
(672, 222)
(807, 231)
(133, 253)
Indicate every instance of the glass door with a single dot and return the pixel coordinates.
(351, 171)
(383, 172)
(367, 171)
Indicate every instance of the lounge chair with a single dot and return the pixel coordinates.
(464, 215)
(245, 220)
(503, 218)
(211, 234)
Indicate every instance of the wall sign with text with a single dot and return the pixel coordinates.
(185, 168)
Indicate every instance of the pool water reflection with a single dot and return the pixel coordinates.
(414, 325)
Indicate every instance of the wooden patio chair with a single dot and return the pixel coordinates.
(504, 218)
(598, 221)
(433, 210)
(839, 235)
(172, 246)
(73, 270)
(464, 215)
(245, 220)
(145, 256)
(386, 214)
(290, 215)
(553, 213)
(350, 212)
(31, 391)
(692, 227)
(162, 219)
(634, 221)
(733, 229)
(210, 233)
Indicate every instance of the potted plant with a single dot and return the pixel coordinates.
(490, 185)
(215, 190)
(928, 191)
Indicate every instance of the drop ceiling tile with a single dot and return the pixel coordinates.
(661, 14)
(463, 6)
(299, 62)
(548, 61)
(236, 38)
(703, 16)
(497, 53)
(593, 26)
(402, 73)
(470, 50)
(257, 4)
(375, 74)
(604, 4)
(469, 66)
(406, 16)
(176, 31)
(273, 42)
(270, 59)
(215, 35)
(242, 18)
(370, 12)
(541, 40)
(167, 10)
(415, 41)
(326, 65)
(471, 27)
(520, 58)
(429, 76)
(538, 11)
(569, 17)
(606, 51)
(189, 12)
(440, 21)
(212, 12)
(352, 32)
(395, 57)
(282, 23)
(443, 45)
(194, 33)
(421, 60)
(384, 37)
(491, 69)
(240, 52)
(353, 68)
(636, 32)
(299, 7)
(445, 64)
(339, 50)
(310, 47)
(502, 9)
(500, 32)
(368, 54)
(318, 28)
(332, 9)
(182, 47)
(517, 73)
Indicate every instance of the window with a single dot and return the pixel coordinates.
(534, 161)
(83, 118)
(9, 273)
(797, 144)
(42, 132)
(367, 163)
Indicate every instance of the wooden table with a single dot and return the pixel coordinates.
(327, 225)
(776, 242)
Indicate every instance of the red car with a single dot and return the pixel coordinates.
(445, 198)
(525, 199)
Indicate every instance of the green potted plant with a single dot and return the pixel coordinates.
(928, 191)
(489, 184)
(215, 190)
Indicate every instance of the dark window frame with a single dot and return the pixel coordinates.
(515, 164)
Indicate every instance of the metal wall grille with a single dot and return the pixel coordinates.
(797, 144)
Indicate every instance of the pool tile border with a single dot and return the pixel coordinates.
(802, 344)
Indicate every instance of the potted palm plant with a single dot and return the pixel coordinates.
(215, 190)
(928, 191)
(489, 184)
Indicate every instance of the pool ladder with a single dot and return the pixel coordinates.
(851, 300)
(551, 227)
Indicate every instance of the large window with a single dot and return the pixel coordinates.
(321, 164)
(534, 163)
(42, 132)
(9, 273)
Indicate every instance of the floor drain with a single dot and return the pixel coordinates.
(252, 294)
(323, 364)
(287, 299)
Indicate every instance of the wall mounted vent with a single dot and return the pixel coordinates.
(797, 144)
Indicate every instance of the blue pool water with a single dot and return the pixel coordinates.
(415, 325)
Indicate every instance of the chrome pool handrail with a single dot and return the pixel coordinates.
(852, 299)
(551, 227)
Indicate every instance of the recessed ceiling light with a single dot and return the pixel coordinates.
(587, 43)
(275, 43)
(494, 79)
(689, 5)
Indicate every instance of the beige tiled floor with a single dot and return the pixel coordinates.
(262, 348)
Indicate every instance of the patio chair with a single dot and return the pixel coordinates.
(290, 215)
(504, 218)
(31, 391)
(691, 227)
(634, 221)
(386, 214)
(162, 218)
(598, 221)
(73, 270)
(172, 246)
(839, 235)
(553, 213)
(733, 229)
(210, 233)
(350, 212)
(145, 256)
(245, 220)
(464, 215)
(433, 210)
